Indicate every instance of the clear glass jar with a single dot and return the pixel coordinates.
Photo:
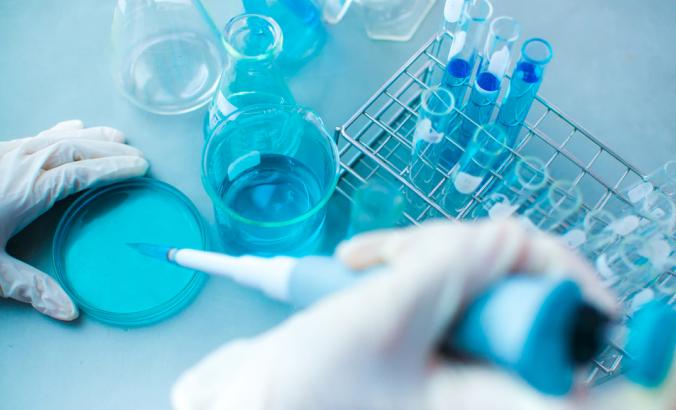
(166, 54)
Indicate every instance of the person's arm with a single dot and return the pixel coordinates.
(373, 346)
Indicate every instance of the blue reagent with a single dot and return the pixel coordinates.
(523, 86)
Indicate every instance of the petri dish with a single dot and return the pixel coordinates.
(106, 278)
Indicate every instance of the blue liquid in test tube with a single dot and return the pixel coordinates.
(464, 52)
(462, 59)
(523, 86)
(504, 32)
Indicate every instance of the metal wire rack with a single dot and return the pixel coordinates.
(375, 144)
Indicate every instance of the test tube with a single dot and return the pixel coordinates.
(475, 164)
(436, 109)
(527, 177)
(561, 200)
(454, 12)
(523, 86)
(594, 232)
(497, 54)
(464, 52)
(624, 268)
(654, 212)
(663, 178)
(377, 205)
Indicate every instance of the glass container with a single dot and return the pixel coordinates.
(166, 55)
(428, 145)
(270, 171)
(250, 76)
(473, 167)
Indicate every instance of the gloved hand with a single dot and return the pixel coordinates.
(35, 172)
(373, 346)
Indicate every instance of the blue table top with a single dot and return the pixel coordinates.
(53, 65)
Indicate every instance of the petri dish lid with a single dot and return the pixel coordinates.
(106, 278)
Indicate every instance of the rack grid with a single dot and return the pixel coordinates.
(375, 144)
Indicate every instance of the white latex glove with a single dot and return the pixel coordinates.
(373, 346)
(35, 172)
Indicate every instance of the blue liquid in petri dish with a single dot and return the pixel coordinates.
(113, 282)
(277, 188)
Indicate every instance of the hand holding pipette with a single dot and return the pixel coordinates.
(374, 343)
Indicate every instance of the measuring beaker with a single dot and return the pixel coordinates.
(270, 170)
(396, 20)
(166, 54)
(250, 76)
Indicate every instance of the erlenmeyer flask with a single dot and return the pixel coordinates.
(166, 54)
(300, 21)
(250, 76)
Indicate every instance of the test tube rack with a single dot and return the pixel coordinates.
(375, 144)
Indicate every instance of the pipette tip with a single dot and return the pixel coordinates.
(153, 251)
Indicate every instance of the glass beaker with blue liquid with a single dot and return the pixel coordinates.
(300, 21)
(270, 170)
(250, 76)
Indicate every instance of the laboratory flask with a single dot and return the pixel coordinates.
(166, 55)
(300, 21)
(250, 75)
(270, 170)
(395, 20)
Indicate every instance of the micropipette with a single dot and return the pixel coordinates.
(568, 338)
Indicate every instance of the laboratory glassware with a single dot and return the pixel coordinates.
(250, 76)
(625, 268)
(473, 167)
(435, 112)
(663, 178)
(560, 201)
(527, 177)
(592, 233)
(465, 51)
(395, 20)
(107, 280)
(372, 142)
(301, 24)
(270, 170)
(496, 58)
(654, 212)
(377, 205)
(524, 84)
(166, 55)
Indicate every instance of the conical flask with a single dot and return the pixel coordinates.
(250, 75)
(301, 23)
(167, 55)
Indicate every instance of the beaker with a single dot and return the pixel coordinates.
(166, 54)
(395, 20)
(250, 76)
(300, 21)
(270, 170)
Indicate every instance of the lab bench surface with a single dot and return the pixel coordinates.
(54, 66)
